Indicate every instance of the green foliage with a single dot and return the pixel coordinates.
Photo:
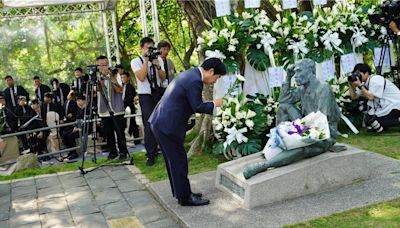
(258, 59)
(198, 163)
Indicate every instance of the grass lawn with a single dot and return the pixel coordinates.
(197, 164)
(383, 215)
(387, 144)
(62, 167)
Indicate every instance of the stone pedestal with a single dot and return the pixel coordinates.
(313, 175)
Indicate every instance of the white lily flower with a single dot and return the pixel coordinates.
(246, 15)
(215, 54)
(200, 40)
(231, 48)
(250, 114)
(240, 78)
(225, 33)
(249, 123)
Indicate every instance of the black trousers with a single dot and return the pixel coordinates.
(118, 128)
(176, 163)
(147, 105)
(390, 120)
(69, 138)
(133, 127)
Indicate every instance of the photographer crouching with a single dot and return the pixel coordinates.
(382, 98)
(149, 77)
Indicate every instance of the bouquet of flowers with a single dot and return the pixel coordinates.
(296, 134)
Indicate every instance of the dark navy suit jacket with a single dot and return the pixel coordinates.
(182, 98)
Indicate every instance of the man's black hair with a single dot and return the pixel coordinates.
(119, 66)
(53, 80)
(35, 101)
(80, 97)
(145, 40)
(162, 44)
(78, 69)
(49, 94)
(101, 57)
(8, 77)
(362, 67)
(36, 77)
(217, 64)
(126, 73)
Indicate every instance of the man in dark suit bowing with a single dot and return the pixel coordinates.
(183, 98)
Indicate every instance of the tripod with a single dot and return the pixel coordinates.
(85, 125)
(395, 69)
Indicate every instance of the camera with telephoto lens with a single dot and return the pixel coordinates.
(153, 53)
(113, 70)
(354, 76)
(390, 11)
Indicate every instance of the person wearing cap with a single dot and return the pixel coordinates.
(70, 135)
(12, 92)
(48, 106)
(168, 122)
(60, 90)
(41, 89)
(10, 124)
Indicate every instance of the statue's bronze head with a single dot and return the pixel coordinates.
(304, 72)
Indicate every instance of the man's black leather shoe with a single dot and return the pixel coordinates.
(198, 195)
(122, 157)
(112, 155)
(193, 201)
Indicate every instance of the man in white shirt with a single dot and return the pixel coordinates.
(149, 76)
(382, 95)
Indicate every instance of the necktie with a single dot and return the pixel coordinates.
(61, 96)
(23, 110)
(13, 97)
(66, 108)
(123, 92)
(39, 94)
(48, 108)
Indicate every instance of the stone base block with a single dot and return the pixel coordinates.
(313, 175)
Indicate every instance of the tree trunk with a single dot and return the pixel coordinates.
(197, 11)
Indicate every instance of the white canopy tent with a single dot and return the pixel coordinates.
(11, 9)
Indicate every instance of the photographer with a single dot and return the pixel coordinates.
(111, 91)
(149, 75)
(383, 97)
(164, 47)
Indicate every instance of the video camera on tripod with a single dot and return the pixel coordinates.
(93, 69)
(390, 11)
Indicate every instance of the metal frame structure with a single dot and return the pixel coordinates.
(65, 7)
(149, 18)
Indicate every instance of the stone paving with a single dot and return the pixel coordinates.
(72, 200)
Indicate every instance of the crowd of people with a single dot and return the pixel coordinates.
(59, 103)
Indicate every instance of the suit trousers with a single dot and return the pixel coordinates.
(117, 127)
(147, 105)
(176, 163)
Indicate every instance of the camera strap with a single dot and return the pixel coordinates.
(152, 80)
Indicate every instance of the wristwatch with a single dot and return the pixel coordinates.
(360, 87)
